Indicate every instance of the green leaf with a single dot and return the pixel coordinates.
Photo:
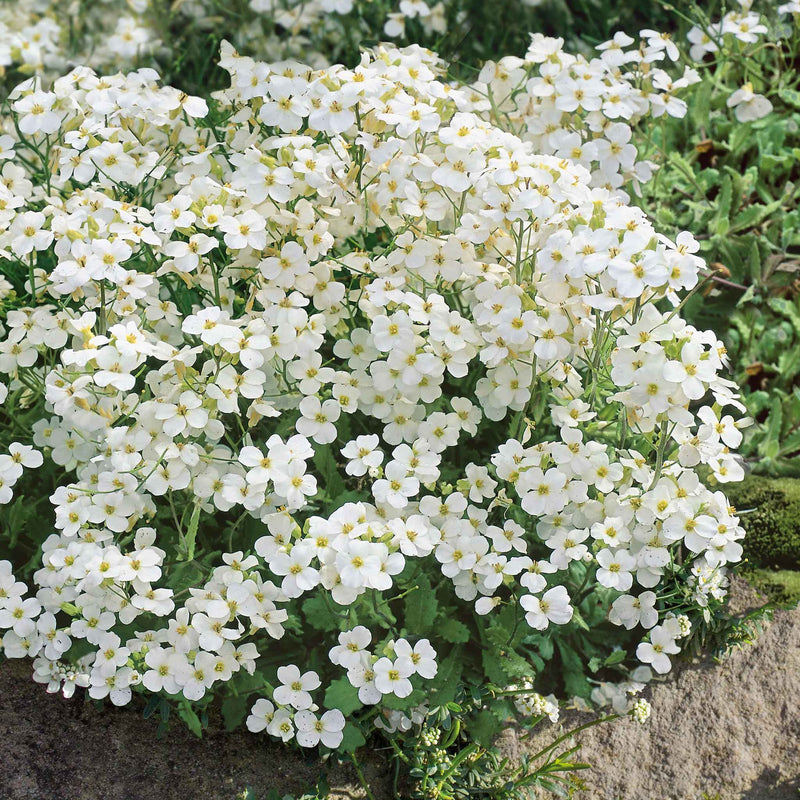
(445, 685)
(772, 443)
(332, 481)
(740, 139)
(353, 738)
(786, 308)
(234, 710)
(575, 681)
(791, 444)
(754, 261)
(752, 216)
(492, 666)
(578, 619)
(319, 615)
(701, 105)
(510, 662)
(340, 694)
(420, 607)
(543, 645)
(191, 533)
(617, 657)
(189, 716)
(722, 217)
(484, 726)
(451, 630)
(790, 97)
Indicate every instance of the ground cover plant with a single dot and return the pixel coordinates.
(362, 399)
(182, 39)
(728, 170)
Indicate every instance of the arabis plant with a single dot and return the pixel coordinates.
(352, 388)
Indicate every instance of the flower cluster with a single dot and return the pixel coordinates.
(43, 37)
(585, 110)
(295, 713)
(339, 339)
(745, 26)
(374, 676)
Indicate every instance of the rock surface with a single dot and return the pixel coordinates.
(722, 732)
(727, 731)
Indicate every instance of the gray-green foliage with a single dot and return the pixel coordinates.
(736, 186)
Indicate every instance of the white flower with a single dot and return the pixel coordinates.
(261, 715)
(326, 729)
(422, 656)
(392, 677)
(295, 689)
(351, 645)
(749, 105)
(553, 606)
(658, 649)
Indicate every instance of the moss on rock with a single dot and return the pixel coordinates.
(782, 587)
(770, 512)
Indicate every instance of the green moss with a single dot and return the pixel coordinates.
(769, 509)
(782, 587)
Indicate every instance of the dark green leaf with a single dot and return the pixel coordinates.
(353, 738)
(445, 685)
(340, 694)
(451, 630)
(332, 481)
(420, 607)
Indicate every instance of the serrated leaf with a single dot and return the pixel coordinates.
(420, 607)
(752, 216)
(319, 615)
(191, 533)
(451, 630)
(342, 695)
(511, 663)
(740, 138)
(445, 685)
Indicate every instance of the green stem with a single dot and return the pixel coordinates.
(361, 779)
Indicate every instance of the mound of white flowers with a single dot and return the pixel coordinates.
(342, 348)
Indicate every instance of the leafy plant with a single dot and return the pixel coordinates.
(735, 182)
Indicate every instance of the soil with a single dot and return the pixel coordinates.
(722, 732)
(57, 749)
